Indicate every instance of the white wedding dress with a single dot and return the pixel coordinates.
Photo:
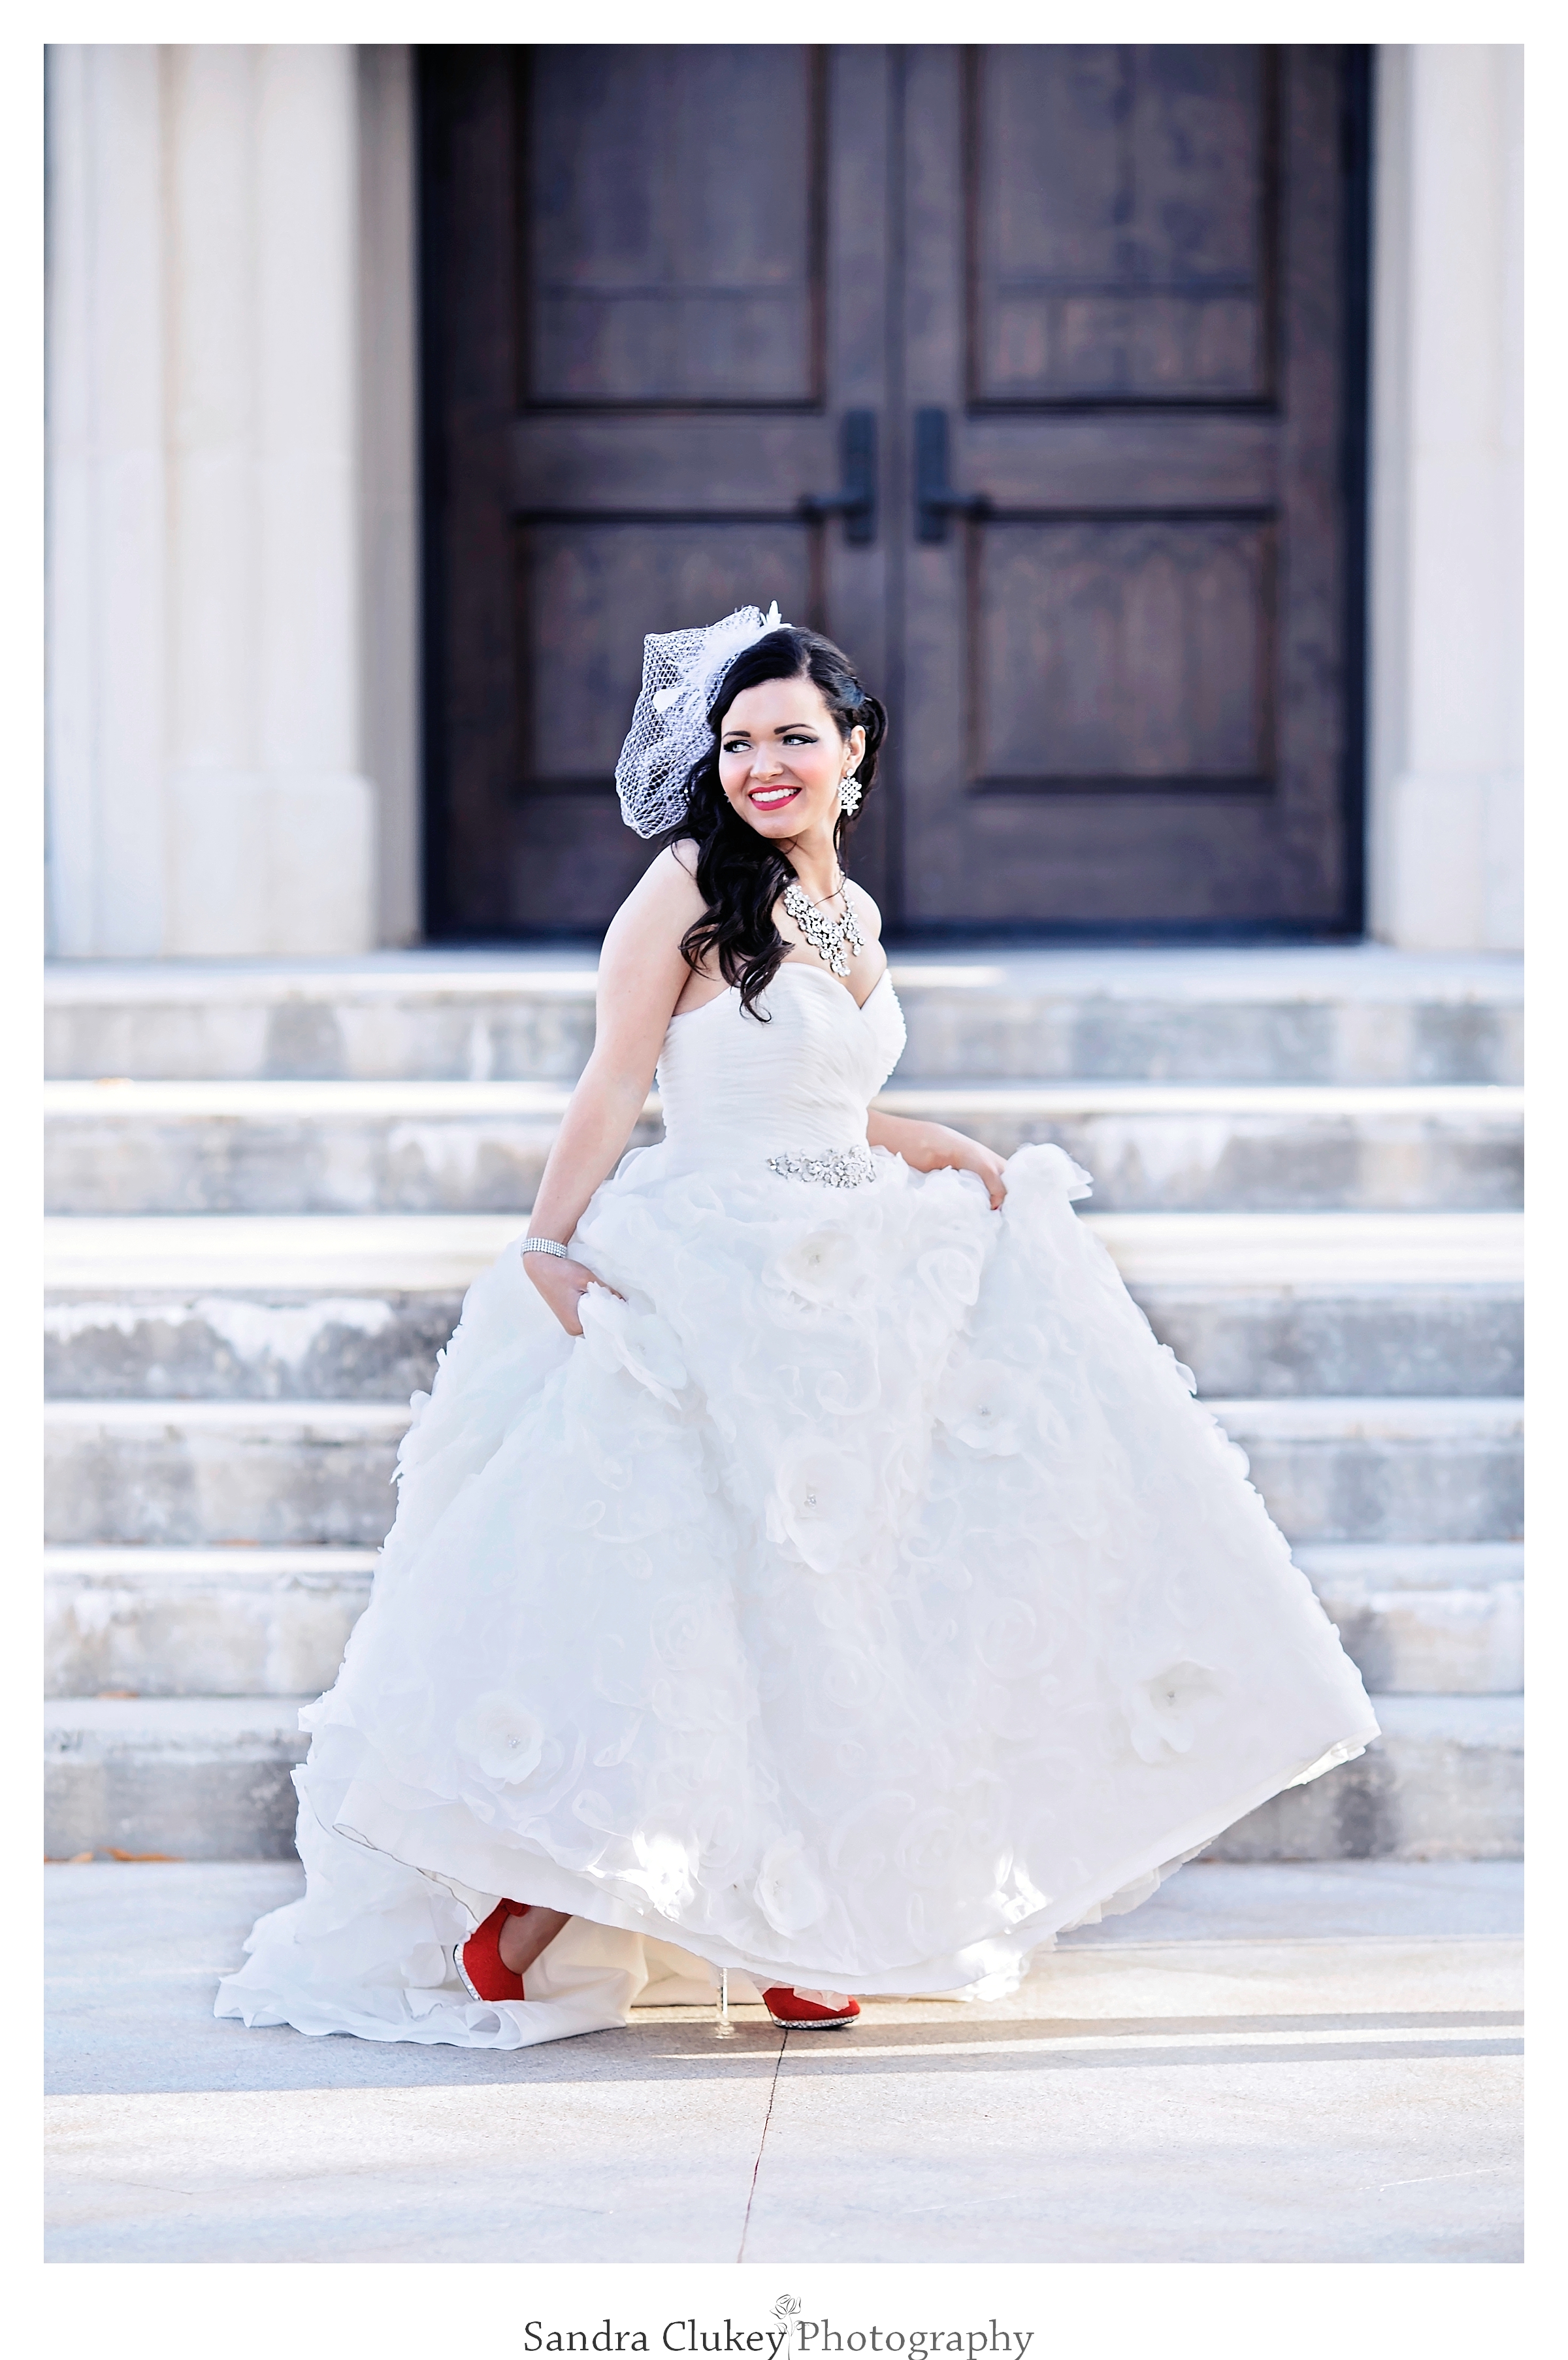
(859, 1603)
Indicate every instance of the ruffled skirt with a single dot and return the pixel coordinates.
(860, 1602)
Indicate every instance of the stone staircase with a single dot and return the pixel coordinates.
(269, 1185)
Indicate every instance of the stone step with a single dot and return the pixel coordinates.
(302, 1147)
(272, 1345)
(1277, 1343)
(231, 1623)
(1445, 1781)
(253, 1622)
(414, 1253)
(221, 1474)
(297, 1474)
(1340, 1567)
(381, 1346)
(128, 1147)
(192, 1777)
(1426, 1621)
(1207, 1147)
(1328, 1013)
(321, 1308)
(207, 1778)
(269, 1344)
(1384, 1470)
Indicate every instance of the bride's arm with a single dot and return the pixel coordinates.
(641, 976)
(932, 1147)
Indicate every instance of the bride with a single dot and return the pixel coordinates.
(807, 1563)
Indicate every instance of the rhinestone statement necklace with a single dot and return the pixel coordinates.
(835, 940)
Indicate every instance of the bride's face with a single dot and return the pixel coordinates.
(781, 757)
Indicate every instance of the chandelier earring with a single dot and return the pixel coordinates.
(849, 794)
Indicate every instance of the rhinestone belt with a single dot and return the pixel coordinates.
(840, 1167)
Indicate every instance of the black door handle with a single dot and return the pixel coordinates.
(935, 500)
(857, 501)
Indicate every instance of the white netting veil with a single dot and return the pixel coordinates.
(680, 670)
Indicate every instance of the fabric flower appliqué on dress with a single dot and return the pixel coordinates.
(639, 1341)
(789, 1891)
(822, 1267)
(978, 1405)
(820, 1502)
(501, 1737)
(1164, 1714)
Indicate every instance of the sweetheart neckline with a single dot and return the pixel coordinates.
(859, 1006)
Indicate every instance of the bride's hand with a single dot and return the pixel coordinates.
(988, 1168)
(563, 1284)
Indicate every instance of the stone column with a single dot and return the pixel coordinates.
(105, 491)
(271, 824)
(1445, 768)
(208, 788)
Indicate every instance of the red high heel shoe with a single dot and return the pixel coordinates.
(792, 2012)
(479, 1959)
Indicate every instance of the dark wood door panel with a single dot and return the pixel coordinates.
(673, 203)
(1120, 241)
(1224, 456)
(1113, 651)
(709, 462)
(1191, 865)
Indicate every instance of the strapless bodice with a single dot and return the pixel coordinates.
(735, 1088)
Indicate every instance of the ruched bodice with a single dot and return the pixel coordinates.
(796, 1079)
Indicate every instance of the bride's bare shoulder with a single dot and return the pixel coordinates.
(643, 940)
(666, 891)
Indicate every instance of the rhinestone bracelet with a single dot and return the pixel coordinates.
(544, 1245)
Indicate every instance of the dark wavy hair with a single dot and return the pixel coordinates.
(741, 874)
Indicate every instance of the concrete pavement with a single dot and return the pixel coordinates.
(1312, 2062)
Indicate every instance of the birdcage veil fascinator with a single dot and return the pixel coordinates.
(681, 674)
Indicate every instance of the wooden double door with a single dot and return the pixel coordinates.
(1031, 375)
